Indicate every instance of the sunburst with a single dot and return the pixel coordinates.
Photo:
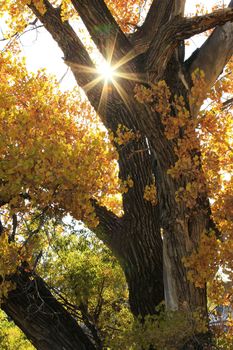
(107, 72)
(111, 75)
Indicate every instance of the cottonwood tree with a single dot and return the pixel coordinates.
(152, 109)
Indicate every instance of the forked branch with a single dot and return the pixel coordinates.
(110, 224)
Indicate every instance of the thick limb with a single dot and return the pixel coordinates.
(42, 318)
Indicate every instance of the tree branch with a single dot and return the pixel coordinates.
(188, 27)
(2, 202)
(110, 228)
(77, 58)
(105, 32)
(108, 220)
(158, 14)
(41, 317)
(214, 54)
(227, 104)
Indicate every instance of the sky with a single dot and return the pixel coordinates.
(41, 51)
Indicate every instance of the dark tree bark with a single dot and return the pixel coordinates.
(153, 266)
(42, 318)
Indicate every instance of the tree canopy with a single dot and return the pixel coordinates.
(143, 158)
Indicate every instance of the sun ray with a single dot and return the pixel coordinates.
(122, 94)
(109, 74)
(92, 84)
(103, 99)
(80, 68)
(129, 76)
(127, 58)
(110, 50)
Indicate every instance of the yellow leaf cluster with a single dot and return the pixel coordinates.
(127, 13)
(215, 133)
(150, 194)
(11, 257)
(204, 263)
(125, 135)
(11, 337)
(180, 128)
(158, 95)
(126, 184)
(17, 14)
(170, 330)
(198, 90)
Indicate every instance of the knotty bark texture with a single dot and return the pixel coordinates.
(152, 263)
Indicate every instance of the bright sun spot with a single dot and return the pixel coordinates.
(106, 71)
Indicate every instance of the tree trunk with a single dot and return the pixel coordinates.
(137, 242)
(142, 265)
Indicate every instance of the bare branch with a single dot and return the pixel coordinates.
(179, 8)
(214, 54)
(14, 228)
(158, 14)
(1, 227)
(2, 202)
(77, 58)
(28, 28)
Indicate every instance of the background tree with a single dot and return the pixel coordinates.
(166, 166)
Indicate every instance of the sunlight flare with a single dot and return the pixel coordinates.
(106, 71)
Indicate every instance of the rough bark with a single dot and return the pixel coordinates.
(160, 12)
(135, 239)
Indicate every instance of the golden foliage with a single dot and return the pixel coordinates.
(54, 153)
(126, 13)
(125, 135)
